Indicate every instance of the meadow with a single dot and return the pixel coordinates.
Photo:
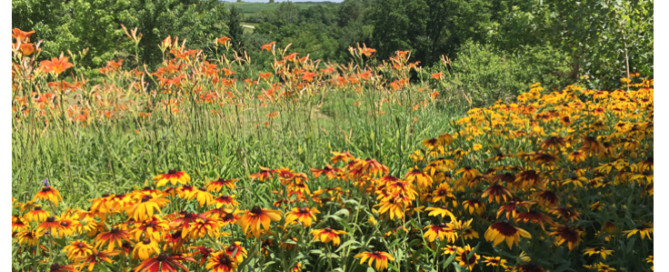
(205, 164)
(250, 8)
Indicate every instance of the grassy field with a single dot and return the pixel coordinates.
(249, 9)
(210, 165)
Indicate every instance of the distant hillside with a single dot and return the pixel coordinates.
(249, 8)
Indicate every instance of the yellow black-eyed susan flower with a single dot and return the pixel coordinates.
(221, 262)
(603, 252)
(495, 261)
(90, 260)
(216, 185)
(327, 235)
(173, 177)
(379, 258)
(236, 251)
(227, 201)
(465, 260)
(164, 262)
(441, 232)
(496, 191)
(112, 238)
(147, 205)
(570, 235)
(77, 249)
(144, 249)
(473, 206)
(440, 211)
(48, 193)
(303, 216)
(29, 236)
(644, 230)
(253, 219)
(535, 217)
(504, 231)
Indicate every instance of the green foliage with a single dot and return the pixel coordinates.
(235, 29)
(593, 41)
(197, 22)
(482, 75)
(68, 26)
(598, 35)
(430, 28)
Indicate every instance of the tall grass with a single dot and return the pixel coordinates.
(222, 137)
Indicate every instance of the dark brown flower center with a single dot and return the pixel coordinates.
(172, 172)
(504, 228)
(146, 198)
(146, 241)
(162, 257)
(228, 217)
(50, 219)
(46, 189)
(568, 234)
(256, 210)
(225, 260)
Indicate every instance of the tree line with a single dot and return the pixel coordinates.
(591, 41)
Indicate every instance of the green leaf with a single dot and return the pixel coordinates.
(450, 259)
(347, 244)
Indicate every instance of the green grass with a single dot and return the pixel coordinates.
(113, 157)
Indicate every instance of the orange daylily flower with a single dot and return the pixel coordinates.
(21, 35)
(56, 65)
(268, 47)
(223, 40)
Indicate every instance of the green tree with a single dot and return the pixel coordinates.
(235, 29)
(67, 25)
(430, 28)
(604, 38)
